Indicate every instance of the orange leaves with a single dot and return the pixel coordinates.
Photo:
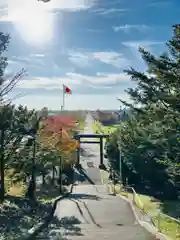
(55, 134)
(56, 123)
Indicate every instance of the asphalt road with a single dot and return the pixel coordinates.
(90, 157)
(90, 213)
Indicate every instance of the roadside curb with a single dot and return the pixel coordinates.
(150, 228)
(34, 231)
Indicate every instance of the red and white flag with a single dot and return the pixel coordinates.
(66, 89)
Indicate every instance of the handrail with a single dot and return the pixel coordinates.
(174, 219)
(139, 200)
(163, 214)
(158, 216)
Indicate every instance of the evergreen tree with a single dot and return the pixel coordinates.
(150, 140)
(6, 109)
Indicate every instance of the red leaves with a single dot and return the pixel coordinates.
(57, 133)
(58, 123)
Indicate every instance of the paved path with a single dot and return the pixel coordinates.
(90, 213)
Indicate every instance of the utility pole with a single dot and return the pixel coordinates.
(32, 142)
(114, 184)
(33, 176)
(60, 167)
(120, 162)
(32, 185)
(60, 175)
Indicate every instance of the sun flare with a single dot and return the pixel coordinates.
(34, 24)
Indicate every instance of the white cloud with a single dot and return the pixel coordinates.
(147, 45)
(127, 28)
(137, 44)
(73, 102)
(74, 80)
(134, 49)
(14, 6)
(70, 5)
(79, 59)
(37, 55)
(45, 83)
(112, 58)
(28, 60)
(104, 11)
(84, 59)
(100, 78)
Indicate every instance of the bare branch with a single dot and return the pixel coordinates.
(12, 83)
(10, 100)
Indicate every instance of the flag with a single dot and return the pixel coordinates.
(67, 90)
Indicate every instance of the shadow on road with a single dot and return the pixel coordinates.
(88, 211)
(81, 176)
(85, 153)
(84, 196)
(47, 192)
(61, 229)
(80, 210)
(91, 216)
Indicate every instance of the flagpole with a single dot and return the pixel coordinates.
(63, 104)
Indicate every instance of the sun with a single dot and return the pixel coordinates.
(34, 24)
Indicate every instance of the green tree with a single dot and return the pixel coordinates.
(150, 140)
(6, 109)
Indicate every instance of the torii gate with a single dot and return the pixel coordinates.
(78, 137)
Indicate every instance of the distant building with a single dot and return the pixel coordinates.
(107, 117)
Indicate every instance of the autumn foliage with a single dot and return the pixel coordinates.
(56, 134)
(55, 123)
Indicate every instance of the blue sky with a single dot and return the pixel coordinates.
(84, 44)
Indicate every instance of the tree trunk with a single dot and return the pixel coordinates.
(25, 179)
(30, 191)
(43, 178)
(53, 174)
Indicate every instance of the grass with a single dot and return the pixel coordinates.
(168, 227)
(17, 190)
(165, 224)
(97, 130)
(97, 127)
(81, 124)
(152, 207)
(109, 129)
(104, 129)
(18, 214)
